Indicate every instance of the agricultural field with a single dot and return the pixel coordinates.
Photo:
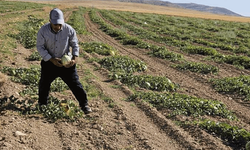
(154, 81)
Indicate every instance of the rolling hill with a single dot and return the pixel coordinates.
(192, 6)
(204, 8)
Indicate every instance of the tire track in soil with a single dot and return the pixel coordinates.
(179, 136)
(191, 83)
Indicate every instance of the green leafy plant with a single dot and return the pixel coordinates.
(175, 32)
(35, 56)
(54, 110)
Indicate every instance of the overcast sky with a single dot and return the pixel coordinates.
(241, 7)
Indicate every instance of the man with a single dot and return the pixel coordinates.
(54, 39)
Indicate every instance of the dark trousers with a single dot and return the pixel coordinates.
(49, 72)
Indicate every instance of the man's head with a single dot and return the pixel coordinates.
(56, 16)
(56, 19)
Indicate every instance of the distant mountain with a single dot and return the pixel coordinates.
(153, 2)
(204, 8)
(192, 6)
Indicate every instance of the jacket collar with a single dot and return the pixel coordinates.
(53, 30)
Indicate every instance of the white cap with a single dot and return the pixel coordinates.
(56, 16)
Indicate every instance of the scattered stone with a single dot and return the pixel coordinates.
(19, 133)
(98, 127)
(2, 138)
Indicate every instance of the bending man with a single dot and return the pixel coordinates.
(54, 39)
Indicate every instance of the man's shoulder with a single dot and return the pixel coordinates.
(68, 27)
(45, 26)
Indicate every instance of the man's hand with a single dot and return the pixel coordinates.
(56, 62)
(72, 62)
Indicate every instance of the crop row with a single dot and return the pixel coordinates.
(76, 20)
(233, 85)
(8, 6)
(181, 104)
(188, 41)
(30, 78)
(126, 39)
(178, 104)
(218, 34)
(237, 60)
(237, 137)
(28, 31)
(195, 67)
(175, 103)
(123, 68)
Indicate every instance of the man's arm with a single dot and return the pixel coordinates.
(40, 45)
(74, 43)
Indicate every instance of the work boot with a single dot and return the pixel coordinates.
(86, 109)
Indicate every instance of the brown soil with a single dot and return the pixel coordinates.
(127, 125)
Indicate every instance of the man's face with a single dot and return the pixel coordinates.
(56, 27)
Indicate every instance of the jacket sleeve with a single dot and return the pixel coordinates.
(74, 43)
(40, 45)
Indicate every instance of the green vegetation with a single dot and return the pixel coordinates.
(28, 31)
(99, 48)
(35, 56)
(148, 82)
(9, 6)
(197, 67)
(30, 77)
(199, 50)
(76, 20)
(181, 104)
(236, 60)
(127, 39)
(13, 14)
(184, 33)
(233, 85)
(54, 111)
(123, 64)
(232, 134)
(161, 36)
